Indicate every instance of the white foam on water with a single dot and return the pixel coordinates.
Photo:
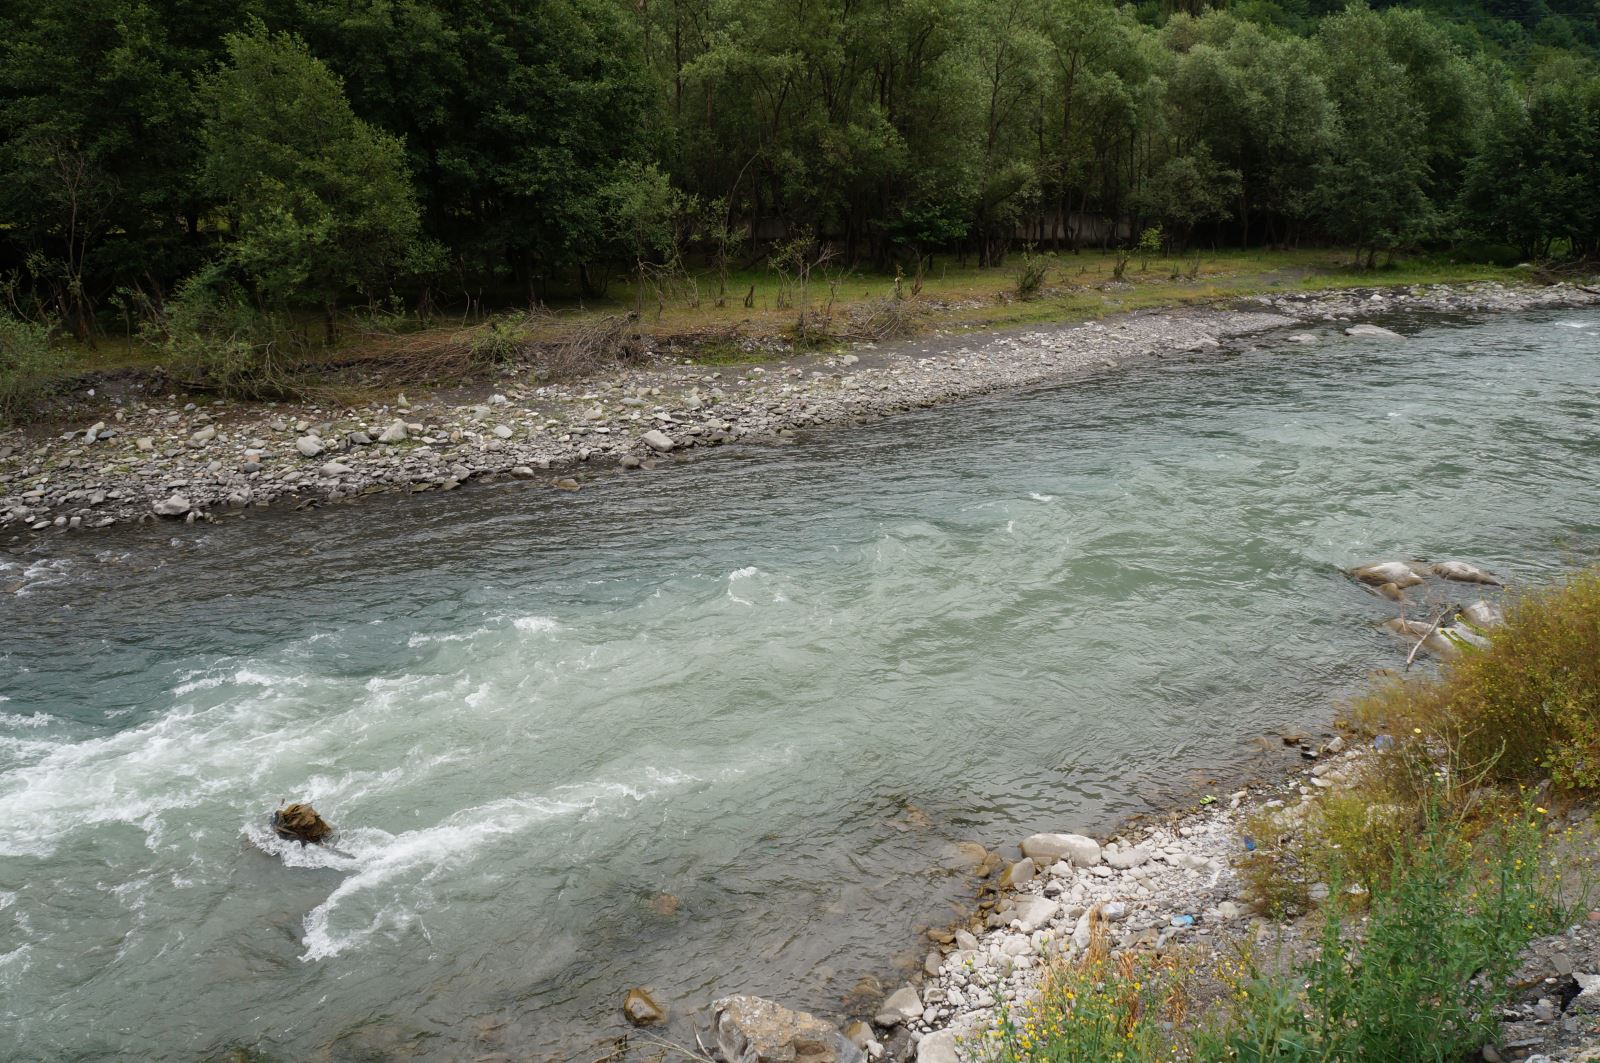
(45, 573)
(381, 861)
(182, 759)
(17, 719)
(204, 680)
(536, 624)
(1037, 497)
(458, 636)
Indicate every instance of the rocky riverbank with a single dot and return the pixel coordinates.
(1163, 888)
(140, 457)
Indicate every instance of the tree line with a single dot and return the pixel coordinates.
(305, 153)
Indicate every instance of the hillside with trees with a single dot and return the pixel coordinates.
(199, 161)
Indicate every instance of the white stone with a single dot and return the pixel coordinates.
(395, 433)
(1373, 332)
(656, 439)
(309, 446)
(1125, 859)
(901, 1006)
(1048, 848)
(502, 431)
(939, 1047)
(1034, 912)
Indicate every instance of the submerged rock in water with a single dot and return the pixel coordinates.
(1433, 639)
(753, 1030)
(1373, 331)
(1462, 572)
(1398, 573)
(300, 823)
(641, 1008)
(1481, 614)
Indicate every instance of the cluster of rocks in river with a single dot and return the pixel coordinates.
(1173, 886)
(1453, 627)
(148, 459)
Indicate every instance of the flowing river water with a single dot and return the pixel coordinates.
(716, 728)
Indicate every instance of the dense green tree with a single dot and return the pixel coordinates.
(320, 201)
(528, 141)
(1534, 183)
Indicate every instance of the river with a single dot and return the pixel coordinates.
(716, 728)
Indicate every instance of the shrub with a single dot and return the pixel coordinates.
(214, 337)
(1525, 708)
(28, 362)
(1035, 270)
(1424, 980)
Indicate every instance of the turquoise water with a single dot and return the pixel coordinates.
(777, 686)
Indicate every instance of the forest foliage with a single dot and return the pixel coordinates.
(296, 156)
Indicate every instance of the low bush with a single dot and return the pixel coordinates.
(28, 364)
(1421, 977)
(215, 337)
(1425, 976)
(1034, 272)
(1525, 709)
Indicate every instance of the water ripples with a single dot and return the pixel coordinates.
(717, 728)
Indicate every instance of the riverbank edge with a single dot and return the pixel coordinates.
(150, 459)
(1154, 881)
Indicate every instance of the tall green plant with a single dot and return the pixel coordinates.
(320, 200)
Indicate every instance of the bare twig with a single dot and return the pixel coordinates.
(1425, 636)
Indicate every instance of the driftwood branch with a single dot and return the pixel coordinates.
(1425, 636)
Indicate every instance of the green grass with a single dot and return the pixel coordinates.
(953, 298)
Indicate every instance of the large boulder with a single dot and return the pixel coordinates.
(1462, 572)
(1396, 572)
(754, 1030)
(1046, 849)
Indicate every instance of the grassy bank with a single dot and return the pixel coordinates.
(747, 317)
(1421, 881)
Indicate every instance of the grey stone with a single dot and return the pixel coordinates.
(656, 439)
(335, 469)
(309, 446)
(173, 506)
(395, 433)
(1377, 332)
